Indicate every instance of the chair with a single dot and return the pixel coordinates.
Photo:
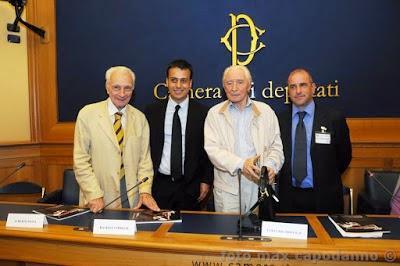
(379, 187)
(349, 205)
(21, 191)
(68, 195)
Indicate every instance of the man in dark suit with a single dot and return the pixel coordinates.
(183, 172)
(317, 150)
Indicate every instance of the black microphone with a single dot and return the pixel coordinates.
(263, 191)
(16, 169)
(266, 210)
(126, 193)
(263, 179)
(90, 227)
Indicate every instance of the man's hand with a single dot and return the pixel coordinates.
(250, 169)
(271, 176)
(204, 188)
(96, 205)
(147, 200)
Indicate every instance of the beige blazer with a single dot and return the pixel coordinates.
(97, 156)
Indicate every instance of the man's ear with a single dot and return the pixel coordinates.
(314, 87)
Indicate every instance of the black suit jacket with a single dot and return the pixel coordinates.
(329, 161)
(197, 166)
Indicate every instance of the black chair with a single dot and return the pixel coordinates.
(379, 187)
(68, 195)
(21, 188)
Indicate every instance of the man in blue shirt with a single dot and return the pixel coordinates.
(317, 151)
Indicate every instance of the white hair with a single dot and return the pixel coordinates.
(111, 70)
(243, 68)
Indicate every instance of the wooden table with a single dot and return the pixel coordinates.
(60, 244)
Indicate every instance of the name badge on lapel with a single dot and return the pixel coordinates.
(323, 137)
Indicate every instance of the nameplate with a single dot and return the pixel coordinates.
(322, 138)
(114, 227)
(26, 220)
(284, 230)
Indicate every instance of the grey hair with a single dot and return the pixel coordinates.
(111, 70)
(243, 68)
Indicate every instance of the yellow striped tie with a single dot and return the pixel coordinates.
(119, 132)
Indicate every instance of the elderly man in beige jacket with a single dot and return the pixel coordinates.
(103, 167)
(240, 133)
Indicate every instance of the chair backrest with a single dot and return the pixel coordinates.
(380, 185)
(70, 191)
(21, 188)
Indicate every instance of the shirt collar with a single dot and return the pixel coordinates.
(248, 104)
(309, 109)
(184, 104)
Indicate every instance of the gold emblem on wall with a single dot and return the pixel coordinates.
(255, 33)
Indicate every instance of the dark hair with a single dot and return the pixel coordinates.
(181, 64)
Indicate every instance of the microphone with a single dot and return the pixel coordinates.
(266, 211)
(263, 179)
(126, 193)
(90, 227)
(16, 169)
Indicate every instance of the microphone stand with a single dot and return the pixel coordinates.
(240, 204)
(90, 227)
(240, 236)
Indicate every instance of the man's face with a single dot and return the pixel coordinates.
(237, 87)
(301, 88)
(178, 83)
(120, 88)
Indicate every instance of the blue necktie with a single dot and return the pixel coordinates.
(300, 151)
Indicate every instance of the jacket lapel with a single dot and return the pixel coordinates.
(130, 121)
(159, 128)
(106, 125)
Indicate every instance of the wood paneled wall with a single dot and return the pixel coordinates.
(376, 142)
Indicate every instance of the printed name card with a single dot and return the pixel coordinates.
(26, 220)
(284, 230)
(114, 227)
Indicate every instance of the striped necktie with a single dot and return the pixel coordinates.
(119, 132)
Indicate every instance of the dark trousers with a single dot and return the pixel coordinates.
(302, 200)
(171, 195)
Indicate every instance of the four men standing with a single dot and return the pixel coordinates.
(113, 143)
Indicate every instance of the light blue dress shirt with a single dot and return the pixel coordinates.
(241, 120)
